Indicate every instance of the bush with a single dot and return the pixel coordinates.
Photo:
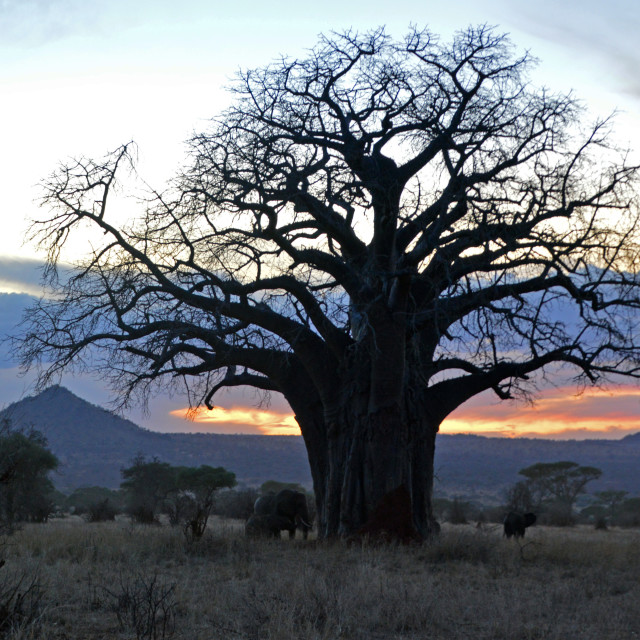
(142, 514)
(21, 597)
(81, 500)
(102, 511)
(25, 488)
(145, 605)
(558, 514)
(180, 508)
(628, 514)
(235, 503)
(458, 512)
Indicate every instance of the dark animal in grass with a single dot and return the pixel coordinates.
(516, 523)
(267, 526)
(289, 504)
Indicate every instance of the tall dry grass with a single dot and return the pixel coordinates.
(115, 580)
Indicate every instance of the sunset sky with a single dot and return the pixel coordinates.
(557, 413)
(80, 78)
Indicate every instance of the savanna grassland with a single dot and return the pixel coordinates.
(70, 580)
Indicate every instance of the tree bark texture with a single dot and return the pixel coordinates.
(374, 435)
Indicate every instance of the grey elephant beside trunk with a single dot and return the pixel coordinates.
(269, 525)
(516, 523)
(288, 504)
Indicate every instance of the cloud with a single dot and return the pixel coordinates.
(239, 419)
(35, 22)
(558, 413)
(604, 33)
(20, 275)
(12, 306)
(238, 410)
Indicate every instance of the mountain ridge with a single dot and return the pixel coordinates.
(94, 444)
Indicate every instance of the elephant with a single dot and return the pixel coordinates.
(516, 523)
(290, 504)
(267, 525)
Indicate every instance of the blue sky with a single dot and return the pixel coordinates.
(80, 78)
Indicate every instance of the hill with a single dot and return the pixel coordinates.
(93, 444)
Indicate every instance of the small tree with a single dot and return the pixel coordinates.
(201, 483)
(557, 485)
(629, 513)
(146, 485)
(610, 501)
(184, 493)
(25, 488)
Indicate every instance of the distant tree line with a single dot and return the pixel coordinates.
(554, 492)
(551, 489)
(151, 490)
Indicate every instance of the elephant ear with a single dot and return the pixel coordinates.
(529, 519)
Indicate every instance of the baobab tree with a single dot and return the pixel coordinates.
(379, 231)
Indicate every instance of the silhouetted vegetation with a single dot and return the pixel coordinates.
(379, 230)
(236, 503)
(551, 490)
(146, 485)
(86, 499)
(613, 508)
(26, 491)
(102, 511)
(21, 601)
(185, 494)
(555, 486)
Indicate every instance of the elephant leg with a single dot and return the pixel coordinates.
(292, 533)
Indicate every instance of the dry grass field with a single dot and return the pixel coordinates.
(73, 580)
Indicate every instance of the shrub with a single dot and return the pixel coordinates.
(235, 503)
(145, 605)
(21, 597)
(25, 488)
(142, 514)
(458, 512)
(102, 511)
(83, 498)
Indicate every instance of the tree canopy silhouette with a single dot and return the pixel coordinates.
(379, 231)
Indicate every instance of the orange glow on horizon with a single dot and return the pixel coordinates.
(264, 421)
(557, 413)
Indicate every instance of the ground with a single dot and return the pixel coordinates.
(117, 580)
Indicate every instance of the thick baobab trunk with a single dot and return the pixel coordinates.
(372, 433)
(386, 452)
(367, 456)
